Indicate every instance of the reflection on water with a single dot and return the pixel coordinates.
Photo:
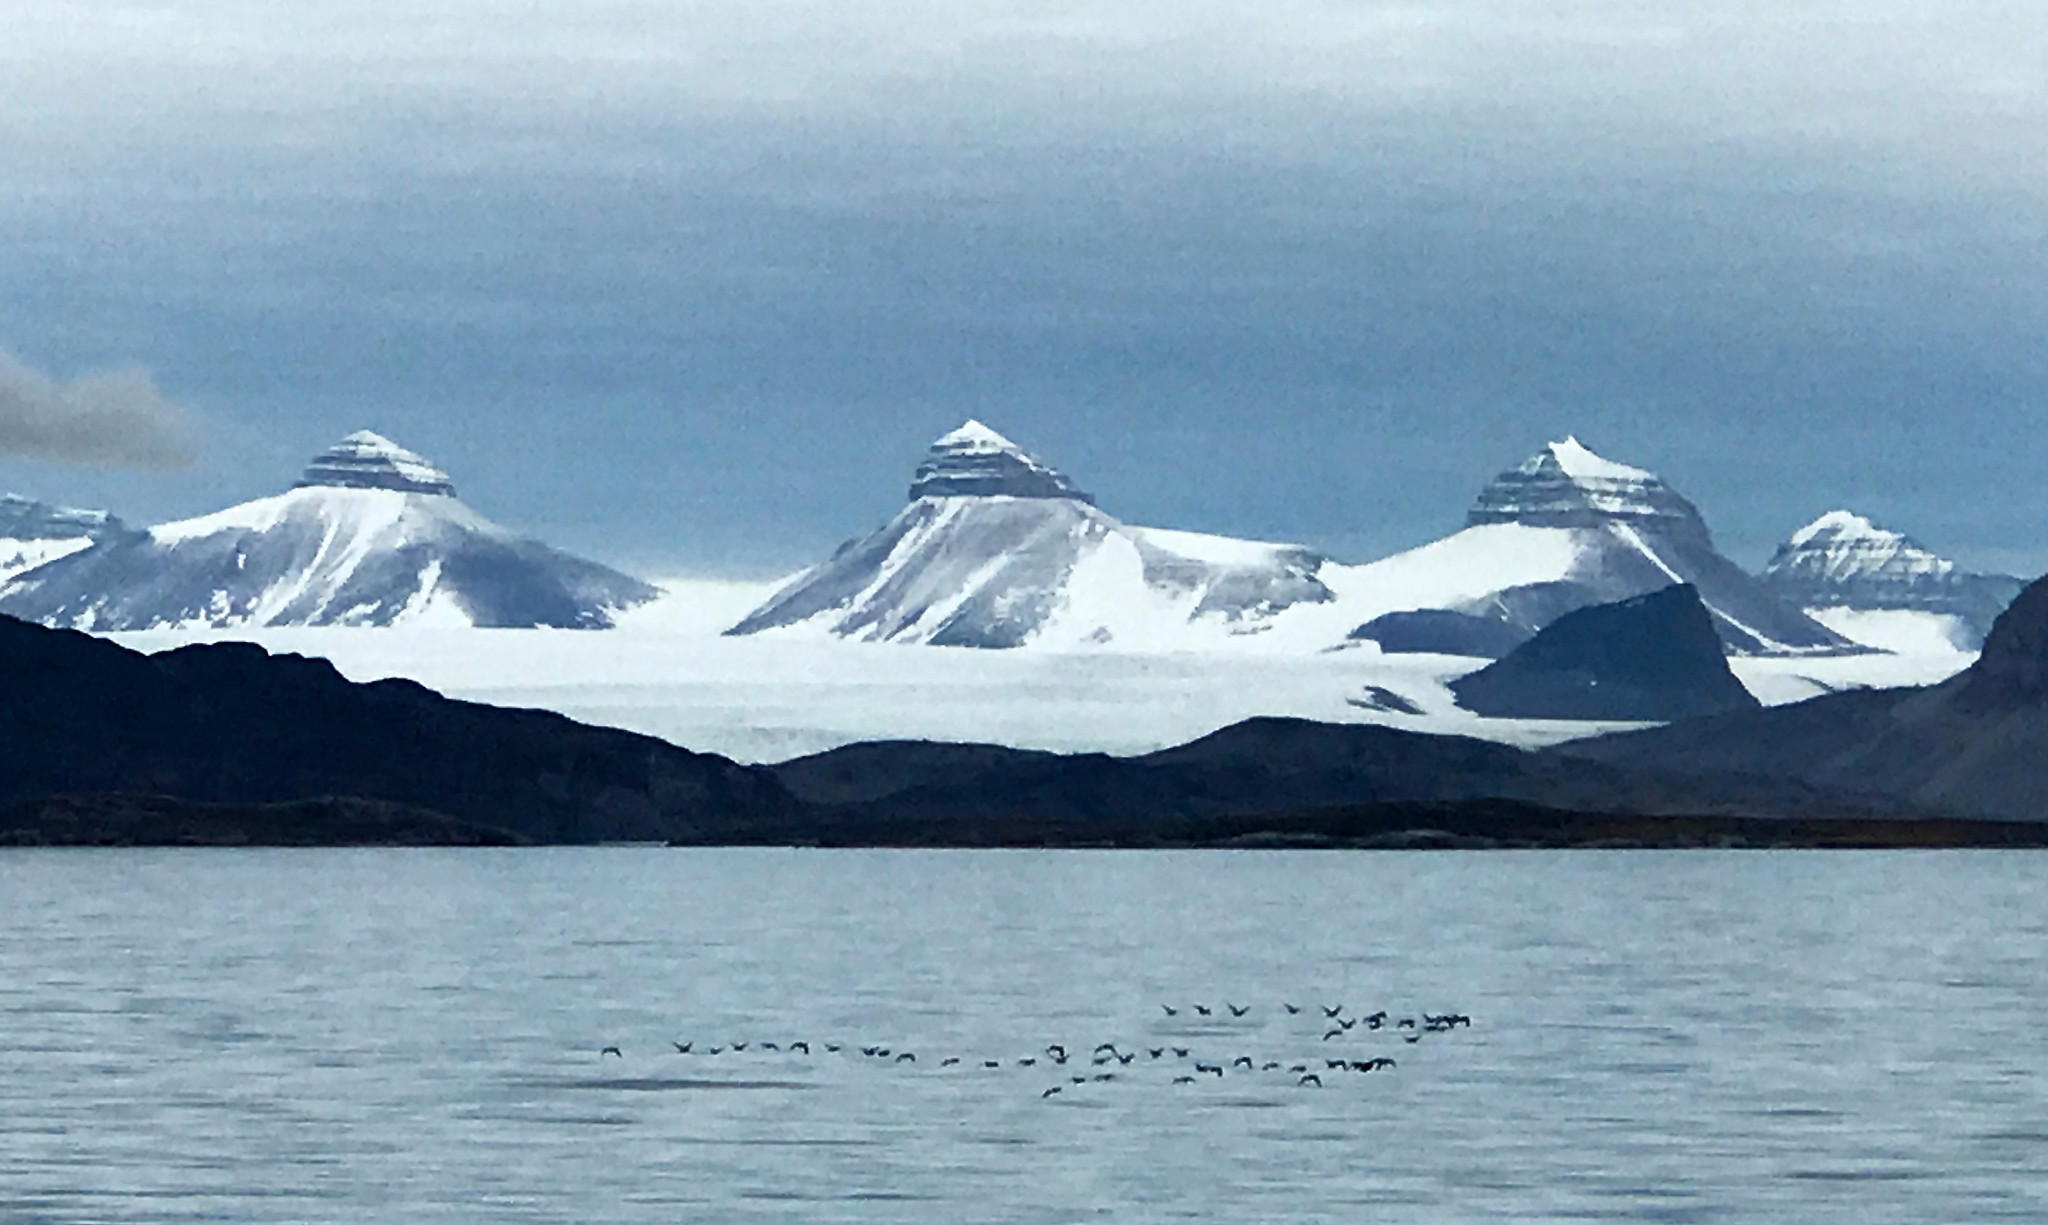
(349, 1036)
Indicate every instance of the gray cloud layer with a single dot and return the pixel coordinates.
(114, 419)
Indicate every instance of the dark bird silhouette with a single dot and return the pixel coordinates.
(1332, 1012)
(1246, 1060)
(1101, 1076)
(881, 1052)
(949, 1061)
(1215, 1069)
(714, 1050)
(1183, 1080)
(1104, 1046)
(1058, 1052)
(1299, 1067)
(1405, 1023)
(1374, 1065)
(1126, 1059)
(1311, 1079)
(682, 1048)
(805, 1047)
(1335, 1033)
(1049, 1092)
(1345, 1023)
(739, 1046)
(1172, 1012)
(1412, 1038)
(1333, 1064)
(991, 1063)
(770, 1046)
(1376, 1020)
(1271, 1067)
(906, 1057)
(1236, 1011)
(611, 1050)
(1201, 1010)
(1155, 1051)
(1027, 1062)
(1079, 1080)
(1292, 1010)
(833, 1047)
(870, 1051)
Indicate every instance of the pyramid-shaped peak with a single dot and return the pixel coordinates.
(974, 436)
(1577, 461)
(368, 460)
(975, 461)
(1843, 525)
(1567, 485)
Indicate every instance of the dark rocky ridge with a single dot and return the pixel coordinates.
(230, 724)
(1652, 658)
(1974, 745)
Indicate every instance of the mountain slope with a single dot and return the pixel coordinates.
(1567, 529)
(372, 535)
(1843, 561)
(996, 549)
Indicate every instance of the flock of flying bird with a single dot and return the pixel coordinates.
(1107, 1061)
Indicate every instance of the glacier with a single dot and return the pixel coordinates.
(372, 535)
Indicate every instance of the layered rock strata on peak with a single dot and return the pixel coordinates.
(372, 536)
(1844, 561)
(365, 460)
(1650, 658)
(997, 549)
(1567, 529)
(975, 461)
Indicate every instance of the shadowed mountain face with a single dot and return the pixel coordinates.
(1975, 745)
(1652, 658)
(232, 724)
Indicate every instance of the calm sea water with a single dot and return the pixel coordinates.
(415, 1036)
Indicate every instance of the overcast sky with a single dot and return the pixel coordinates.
(688, 286)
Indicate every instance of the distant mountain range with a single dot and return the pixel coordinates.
(227, 743)
(998, 549)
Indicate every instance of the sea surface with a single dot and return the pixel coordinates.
(418, 1036)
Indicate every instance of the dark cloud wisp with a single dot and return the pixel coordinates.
(109, 419)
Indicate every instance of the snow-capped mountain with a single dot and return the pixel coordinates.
(372, 535)
(997, 549)
(33, 533)
(1842, 567)
(1563, 530)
